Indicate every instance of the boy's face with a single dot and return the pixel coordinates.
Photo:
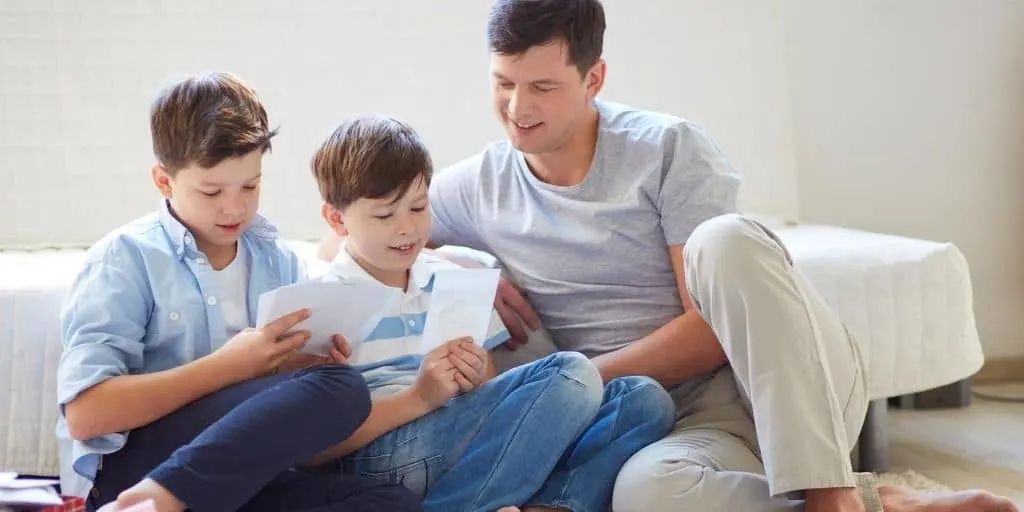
(385, 235)
(540, 98)
(216, 204)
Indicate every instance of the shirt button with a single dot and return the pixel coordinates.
(211, 300)
(188, 239)
(412, 323)
(200, 261)
(174, 316)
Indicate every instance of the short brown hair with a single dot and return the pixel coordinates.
(515, 26)
(206, 119)
(370, 157)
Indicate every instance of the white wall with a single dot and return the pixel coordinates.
(76, 79)
(881, 104)
(909, 119)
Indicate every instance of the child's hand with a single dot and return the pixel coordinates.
(473, 364)
(257, 352)
(339, 354)
(436, 383)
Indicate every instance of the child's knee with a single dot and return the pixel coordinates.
(337, 382)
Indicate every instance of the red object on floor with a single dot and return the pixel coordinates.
(71, 504)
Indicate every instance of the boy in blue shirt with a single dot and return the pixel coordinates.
(544, 436)
(165, 390)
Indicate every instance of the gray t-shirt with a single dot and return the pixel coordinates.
(592, 258)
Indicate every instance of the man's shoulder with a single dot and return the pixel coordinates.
(643, 124)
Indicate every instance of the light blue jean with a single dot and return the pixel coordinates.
(547, 433)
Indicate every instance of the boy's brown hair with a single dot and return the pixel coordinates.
(206, 119)
(370, 157)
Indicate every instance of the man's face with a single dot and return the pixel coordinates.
(216, 204)
(540, 97)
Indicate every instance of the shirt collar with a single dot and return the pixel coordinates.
(344, 266)
(182, 239)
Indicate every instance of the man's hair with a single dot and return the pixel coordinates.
(206, 119)
(514, 26)
(370, 157)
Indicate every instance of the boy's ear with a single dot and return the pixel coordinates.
(334, 219)
(162, 180)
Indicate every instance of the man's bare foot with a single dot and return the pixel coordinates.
(899, 500)
(146, 490)
(839, 499)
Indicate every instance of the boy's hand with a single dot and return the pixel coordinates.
(473, 365)
(435, 384)
(339, 354)
(257, 352)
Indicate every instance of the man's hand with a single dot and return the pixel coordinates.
(512, 307)
(435, 384)
(257, 352)
(473, 364)
(339, 354)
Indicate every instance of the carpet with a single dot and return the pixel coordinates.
(911, 480)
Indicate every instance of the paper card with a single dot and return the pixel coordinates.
(349, 309)
(27, 483)
(31, 497)
(461, 304)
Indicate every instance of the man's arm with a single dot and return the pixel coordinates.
(683, 348)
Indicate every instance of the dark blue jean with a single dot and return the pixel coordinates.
(236, 449)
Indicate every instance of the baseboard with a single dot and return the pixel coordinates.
(1001, 369)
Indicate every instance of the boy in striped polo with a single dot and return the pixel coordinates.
(544, 436)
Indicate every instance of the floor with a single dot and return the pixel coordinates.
(980, 446)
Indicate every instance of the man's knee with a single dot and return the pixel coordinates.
(647, 483)
(733, 246)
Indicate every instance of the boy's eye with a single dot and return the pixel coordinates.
(210, 194)
(250, 187)
(418, 209)
(382, 217)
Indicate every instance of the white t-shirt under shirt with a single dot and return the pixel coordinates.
(592, 258)
(233, 282)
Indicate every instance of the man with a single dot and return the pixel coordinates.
(620, 225)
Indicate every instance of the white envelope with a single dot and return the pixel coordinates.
(461, 304)
(350, 309)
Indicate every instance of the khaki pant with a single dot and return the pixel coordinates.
(795, 373)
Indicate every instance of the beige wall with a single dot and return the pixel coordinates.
(909, 119)
(76, 80)
(841, 111)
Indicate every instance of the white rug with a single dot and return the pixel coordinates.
(912, 480)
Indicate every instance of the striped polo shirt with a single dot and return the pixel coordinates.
(389, 358)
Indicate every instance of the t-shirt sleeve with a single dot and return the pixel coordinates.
(103, 323)
(697, 183)
(452, 205)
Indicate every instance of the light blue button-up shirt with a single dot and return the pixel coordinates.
(147, 300)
